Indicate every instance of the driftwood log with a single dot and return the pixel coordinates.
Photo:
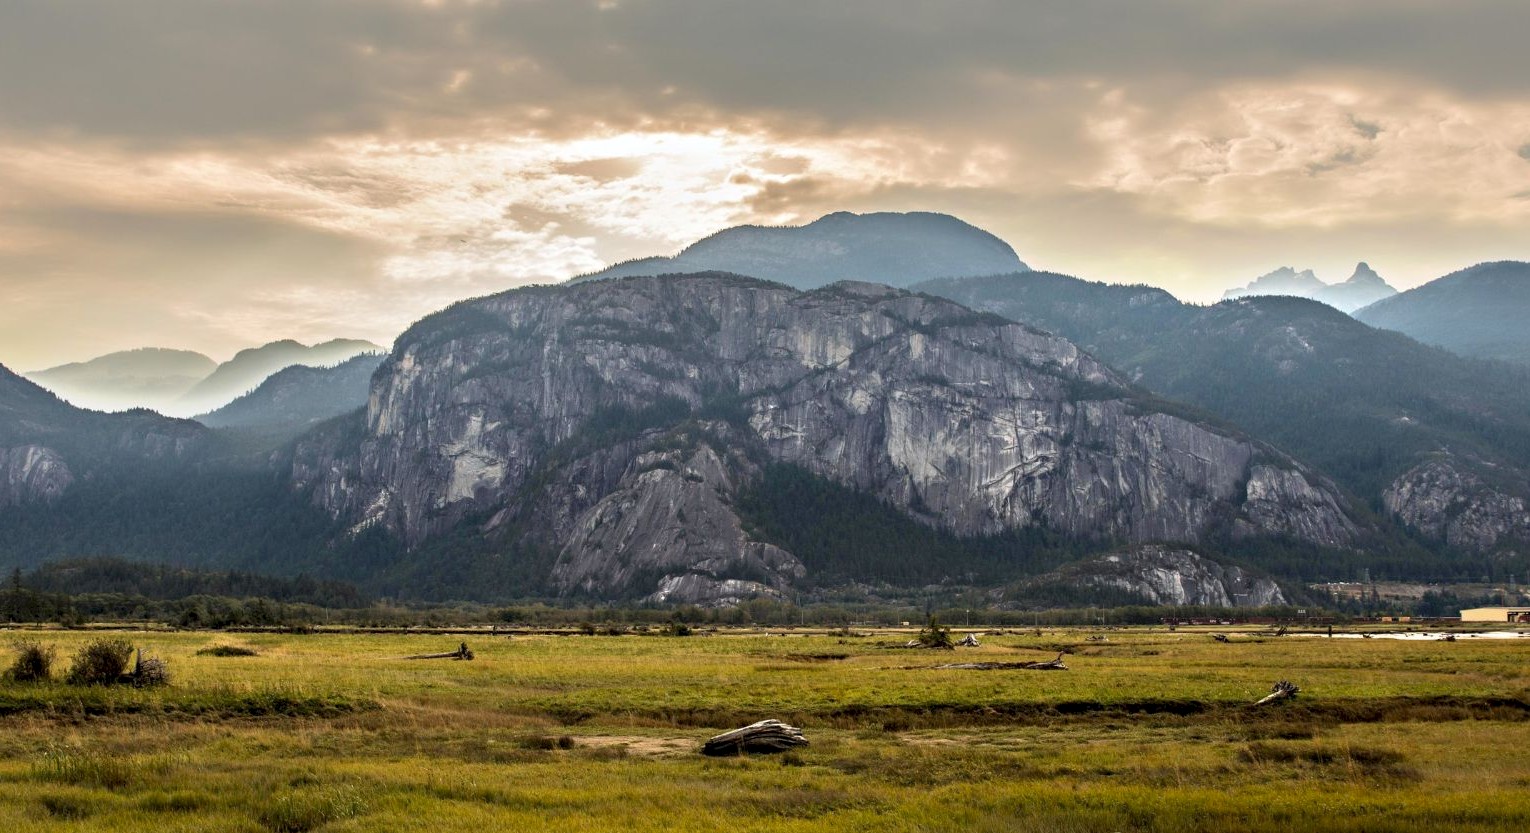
(462, 652)
(969, 641)
(767, 736)
(1049, 665)
(1220, 637)
(1283, 690)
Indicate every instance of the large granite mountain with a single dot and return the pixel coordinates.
(150, 377)
(1362, 287)
(1386, 416)
(248, 368)
(298, 397)
(615, 423)
(1481, 311)
(888, 248)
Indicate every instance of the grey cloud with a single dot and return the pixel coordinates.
(187, 69)
(1524, 151)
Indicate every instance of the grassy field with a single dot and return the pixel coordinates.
(1149, 730)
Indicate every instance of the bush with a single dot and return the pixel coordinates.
(935, 636)
(34, 663)
(103, 662)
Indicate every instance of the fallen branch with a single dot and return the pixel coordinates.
(1283, 690)
(1220, 637)
(1049, 665)
(969, 641)
(767, 736)
(462, 652)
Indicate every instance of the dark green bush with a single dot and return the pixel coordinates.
(102, 662)
(34, 663)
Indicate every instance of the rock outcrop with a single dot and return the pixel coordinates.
(1168, 576)
(1444, 498)
(32, 473)
(613, 420)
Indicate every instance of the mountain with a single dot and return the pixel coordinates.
(615, 439)
(248, 368)
(1366, 406)
(47, 445)
(77, 483)
(1481, 311)
(297, 397)
(1363, 287)
(1282, 281)
(151, 377)
(888, 248)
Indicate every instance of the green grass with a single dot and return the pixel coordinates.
(1149, 731)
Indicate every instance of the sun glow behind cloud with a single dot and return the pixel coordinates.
(321, 168)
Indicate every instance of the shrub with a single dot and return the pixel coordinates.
(34, 663)
(102, 662)
(935, 636)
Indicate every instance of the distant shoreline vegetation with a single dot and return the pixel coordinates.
(109, 590)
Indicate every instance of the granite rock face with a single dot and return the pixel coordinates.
(1171, 576)
(615, 420)
(32, 473)
(1444, 498)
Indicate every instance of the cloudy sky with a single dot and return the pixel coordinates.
(213, 174)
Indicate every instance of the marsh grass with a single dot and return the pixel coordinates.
(227, 651)
(309, 808)
(1154, 732)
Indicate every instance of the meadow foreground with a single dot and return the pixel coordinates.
(1148, 730)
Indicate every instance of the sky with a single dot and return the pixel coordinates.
(215, 174)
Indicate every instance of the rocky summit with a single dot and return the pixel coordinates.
(615, 422)
(897, 249)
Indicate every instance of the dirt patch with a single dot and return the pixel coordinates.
(640, 745)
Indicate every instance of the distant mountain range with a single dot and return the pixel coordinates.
(1483, 311)
(181, 382)
(150, 377)
(248, 368)
(887, 248)
(298, 397)
(1363, 287)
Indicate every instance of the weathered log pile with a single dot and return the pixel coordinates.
(1283, 690)
(462, 653)
(1049, 665)
(765, 737)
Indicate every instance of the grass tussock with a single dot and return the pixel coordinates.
(305, 809)
(78, 766)
(227, 651)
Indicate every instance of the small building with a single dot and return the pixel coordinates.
(1519, 615)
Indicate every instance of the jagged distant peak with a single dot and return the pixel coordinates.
(1363, 287)
(1364, 274)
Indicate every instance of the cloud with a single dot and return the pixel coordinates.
(231, 173)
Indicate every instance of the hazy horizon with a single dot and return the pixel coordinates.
(313, 170)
